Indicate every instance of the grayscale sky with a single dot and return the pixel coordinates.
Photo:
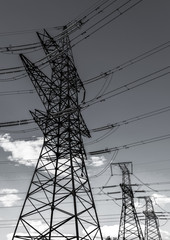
(134, 33)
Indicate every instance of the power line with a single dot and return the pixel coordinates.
(118, 11)
(76, 24)
(72, 26)
(122, 87)
(107, 166)
(103, 128)
(96, 200)
(119, 90)
(16, 123)
(130, 62)
(129, 86)
(118, 68)
(110, 132)
(144, 183)
(69, 26)
(108, 216)
(20, 131)
(132, 119)
(42, 62)
(17, 92)
(134, 144)
(137, 184)
(20, 32)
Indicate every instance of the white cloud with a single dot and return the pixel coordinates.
(27, 153)
(96, 161)
(165, 235)
(8, 191)
(160, 199)
(21, 150)
(8, 197)
(111, 231)
(40, 227)
(9, 200)
(106, 230)
(139, 204)
(9, 236)
(37, 224)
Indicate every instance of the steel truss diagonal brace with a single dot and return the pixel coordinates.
(59, 203)
(151, 222)
(55, 50)
(129, 227)
(40, 81)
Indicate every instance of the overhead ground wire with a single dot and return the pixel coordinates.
(41, 62)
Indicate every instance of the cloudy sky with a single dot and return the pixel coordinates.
(134, 46)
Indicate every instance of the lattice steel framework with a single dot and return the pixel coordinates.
(59, 203)
(152, 231)
(129, 227)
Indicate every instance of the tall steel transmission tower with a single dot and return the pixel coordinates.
(59, 203)
(151, 222)
(129, 227)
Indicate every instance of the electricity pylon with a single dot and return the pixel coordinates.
(129, 227)
(59, 203)
(151, 222)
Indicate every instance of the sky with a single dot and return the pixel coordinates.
(137, 89)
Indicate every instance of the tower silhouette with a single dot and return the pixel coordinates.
(59, 203)
(129, 227)
(151, 222)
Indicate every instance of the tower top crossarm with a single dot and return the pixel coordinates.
(55, 52)
(63, 70)
(60, 92)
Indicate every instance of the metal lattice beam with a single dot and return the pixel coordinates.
(129, 228)
(151, 222)
(59, 196)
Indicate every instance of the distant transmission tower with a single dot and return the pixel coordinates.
(59, 203)
(151, 222)
(129, 227)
